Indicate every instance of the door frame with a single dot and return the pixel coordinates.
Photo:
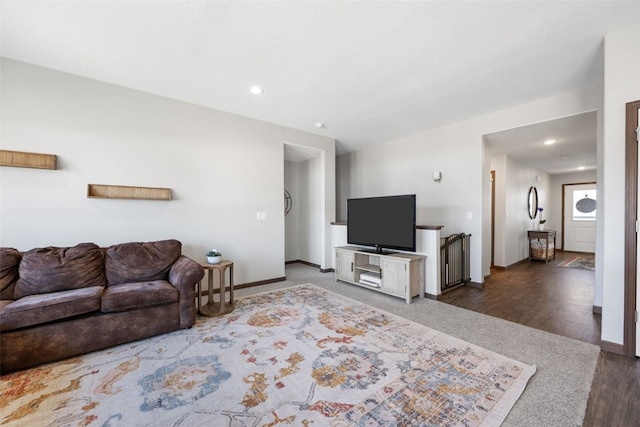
(630, 235)
(493, 218)
(563, 200)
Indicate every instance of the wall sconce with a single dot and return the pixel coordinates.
(437, 176)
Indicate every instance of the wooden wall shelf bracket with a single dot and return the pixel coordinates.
(99, 191)
(21, 159)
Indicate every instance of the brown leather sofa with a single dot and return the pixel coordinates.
(60, 302)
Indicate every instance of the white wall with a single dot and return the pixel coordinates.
(222, 169)
(621, 85)
(554, 216)
(292, 219)
(513, 181)
(310, 210)
(520, 178)
(303, 224)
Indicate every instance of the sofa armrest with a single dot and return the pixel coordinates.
(184, 275)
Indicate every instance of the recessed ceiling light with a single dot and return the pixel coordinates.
(549, 142)
(319, 125)
(256, 90)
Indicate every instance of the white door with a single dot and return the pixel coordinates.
(638, 252)
(580, 218)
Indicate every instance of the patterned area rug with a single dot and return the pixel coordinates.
(299, 356)
(579, 262)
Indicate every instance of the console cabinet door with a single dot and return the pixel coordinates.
(394, 276)
(344, 265)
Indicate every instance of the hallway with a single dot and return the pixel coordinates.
(543, 296)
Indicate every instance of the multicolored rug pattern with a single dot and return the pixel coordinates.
(299, 356)
(578, 262)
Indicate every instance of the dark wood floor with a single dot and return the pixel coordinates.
(560, 300)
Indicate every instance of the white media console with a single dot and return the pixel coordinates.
(397, 274)
(427, 244)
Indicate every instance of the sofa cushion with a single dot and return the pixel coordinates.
(9, 262)
(53, 269)
(141, 262)
(42, 308)
(131, 296)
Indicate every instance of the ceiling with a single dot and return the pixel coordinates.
(370, 71)
(298, 153)
(575, 144)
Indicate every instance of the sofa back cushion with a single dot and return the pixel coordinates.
(54, 269)
(141, 262)
(9, 262)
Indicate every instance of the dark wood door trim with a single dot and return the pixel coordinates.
(631, 214)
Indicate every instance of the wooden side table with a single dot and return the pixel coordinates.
(539, 250)
(213, 308)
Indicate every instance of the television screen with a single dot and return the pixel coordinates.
(383, 222)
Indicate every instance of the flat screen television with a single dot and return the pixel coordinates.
(382, 222)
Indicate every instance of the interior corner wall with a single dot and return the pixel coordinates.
(513, 181)
(303, 223)
(343, 185)
(621, 65)
(499, 165)
(292, 219)
(221, 168)
(310, 210)
(554, 216)
(520, 178)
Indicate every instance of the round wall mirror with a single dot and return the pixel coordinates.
(533, 202)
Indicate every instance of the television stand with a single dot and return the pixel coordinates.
(398, 274)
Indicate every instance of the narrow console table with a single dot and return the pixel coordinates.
(213, 308)
(397, 274)
(542, 245)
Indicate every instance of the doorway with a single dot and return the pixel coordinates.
(637, 127)
(493, 217)
(303, 204)
(631, 341)
(522, 158)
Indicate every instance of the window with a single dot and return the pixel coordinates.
(584, 205)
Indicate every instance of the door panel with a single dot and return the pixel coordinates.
(638, 251)
(585, 235)
(394, 277)
(580, 218)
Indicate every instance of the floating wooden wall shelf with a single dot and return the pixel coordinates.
(21, 159)
(99, 191)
